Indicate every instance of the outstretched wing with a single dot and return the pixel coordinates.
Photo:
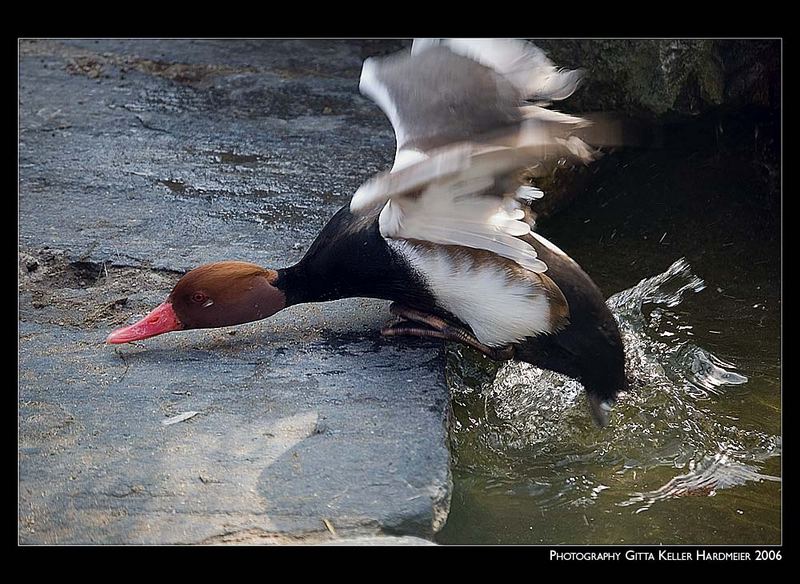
(465, 130)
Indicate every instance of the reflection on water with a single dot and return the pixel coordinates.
(703, 479)
(525, 434)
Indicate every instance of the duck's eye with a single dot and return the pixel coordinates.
(199, 297)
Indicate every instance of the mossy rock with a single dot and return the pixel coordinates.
(667, 77)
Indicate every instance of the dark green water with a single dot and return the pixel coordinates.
(693, 454)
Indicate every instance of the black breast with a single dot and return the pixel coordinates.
(350, 258)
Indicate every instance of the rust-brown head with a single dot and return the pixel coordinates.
(211, 296)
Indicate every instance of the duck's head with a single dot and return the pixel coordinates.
(597, 354)
(211, 296)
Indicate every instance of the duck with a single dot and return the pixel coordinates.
(446, 233)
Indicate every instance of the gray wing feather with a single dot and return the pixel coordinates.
(463, 134)
(438, 97)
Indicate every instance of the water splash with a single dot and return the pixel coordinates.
(651, 341)
(667, 288)
(527, 430)
(710, 372)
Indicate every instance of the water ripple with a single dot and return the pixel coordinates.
(704, 478)
(528, 429)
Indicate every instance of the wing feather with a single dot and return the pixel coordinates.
(463, 134)
(522, 63)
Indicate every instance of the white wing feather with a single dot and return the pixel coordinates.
(453, 208)
(370, 86)
(478, 222)
(449, 195)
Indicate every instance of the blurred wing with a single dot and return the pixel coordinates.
(523, 64)
(464, 134)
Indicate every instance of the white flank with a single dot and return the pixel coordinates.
(499, 309)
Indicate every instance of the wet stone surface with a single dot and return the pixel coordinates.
(138, 161)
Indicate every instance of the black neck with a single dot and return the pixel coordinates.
(348, 259)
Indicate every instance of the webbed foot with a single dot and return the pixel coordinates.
(438, 328)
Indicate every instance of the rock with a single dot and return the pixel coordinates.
(204, 151)
(708, 96)
(670, 77)
(378, 540)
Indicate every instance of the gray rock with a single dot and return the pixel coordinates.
(139, 160)
(378, 541)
